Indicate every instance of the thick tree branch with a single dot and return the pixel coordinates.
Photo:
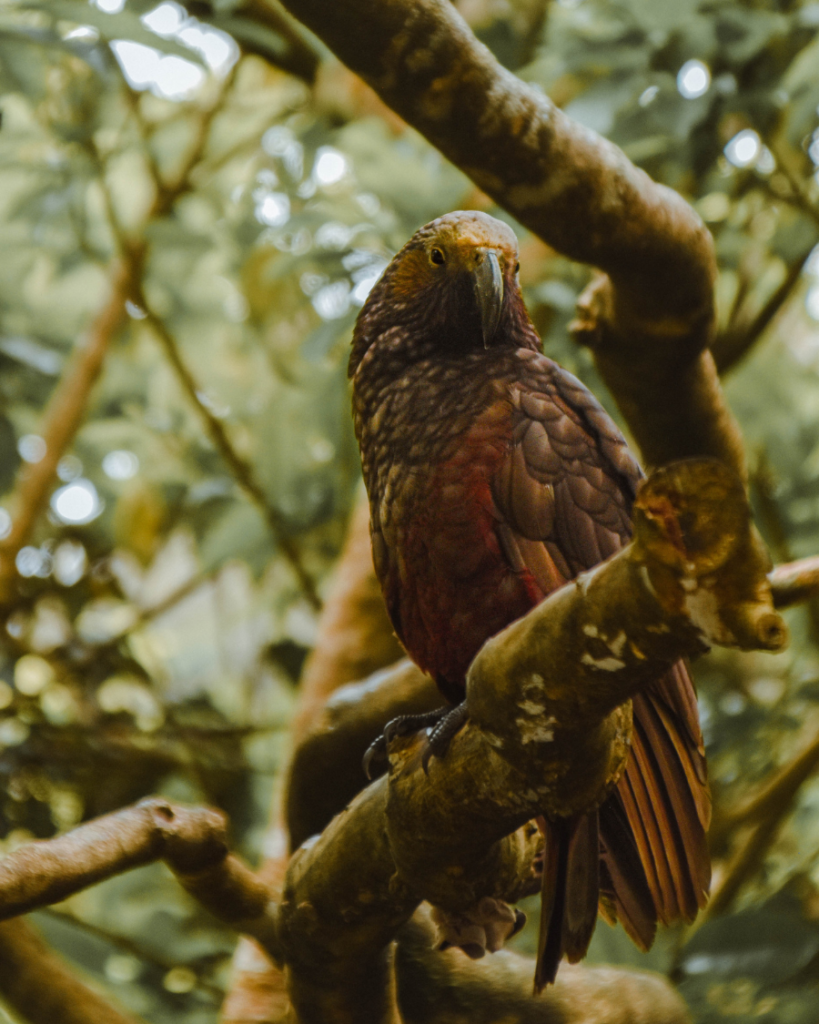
(649, 317)
(536, 740)
(355, 638)
(436, 987)
(41, 987)
(425, 63)
(191, 841)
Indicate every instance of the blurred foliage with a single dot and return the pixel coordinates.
(157, 631)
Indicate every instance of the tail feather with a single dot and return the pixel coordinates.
(569, 895)
(664, 794)
(644, 854)
(639, 783)
(623, 880)
(582, 887)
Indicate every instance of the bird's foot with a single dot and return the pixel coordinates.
(376, 757)
(443, 733)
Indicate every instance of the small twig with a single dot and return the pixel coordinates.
(776, 796)
(241, 469)
(299, 56)
(738, 337)
(799, 197)
(61, 420)
(765, 813)
(791, 582)
(166, 195)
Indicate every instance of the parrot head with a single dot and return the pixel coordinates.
(452, 289)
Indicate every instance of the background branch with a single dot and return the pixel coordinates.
(40, 986)
(62, 418)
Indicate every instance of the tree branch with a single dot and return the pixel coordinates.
(765, 811)
(40, 986)
(795, 582)
(239, 467)
(556, 743)
(133, 254)
(191, 841)
(61, 420)
(740, 335)
(425, 63)
(649, 317)
(445, 987)
(355, 638)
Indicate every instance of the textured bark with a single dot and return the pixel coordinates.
(326, 771)
(795, 582)
(355, 638)
(549, 728)
(437, 987)
(192, 841)
(649, 317)
(552, 174)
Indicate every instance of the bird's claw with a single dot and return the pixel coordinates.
(443, 733)
(377, 754)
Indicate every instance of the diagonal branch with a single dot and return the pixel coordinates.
(61, 420)
(40, 986)
(133, 253)
(241, 470)
(766, 812)
(740, 335)
(795, 582)
(191, 841)
(649, 317)
(425, 63)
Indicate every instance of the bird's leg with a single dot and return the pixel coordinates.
(444, 732)
(375, 758)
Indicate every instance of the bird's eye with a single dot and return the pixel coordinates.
(517, 266)
(437, 256)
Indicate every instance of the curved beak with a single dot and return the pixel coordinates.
(488, 282)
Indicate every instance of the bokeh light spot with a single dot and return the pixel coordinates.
(77, 503)
(744, 148)
(693, 79)
(120, 465)
(32, 448)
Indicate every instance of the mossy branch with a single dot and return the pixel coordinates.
(549, 729)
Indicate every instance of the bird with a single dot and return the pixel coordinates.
(495, 477)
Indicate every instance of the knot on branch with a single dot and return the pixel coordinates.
(704, 558)
(194, 838)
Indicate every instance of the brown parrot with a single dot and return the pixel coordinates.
(494, 477)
